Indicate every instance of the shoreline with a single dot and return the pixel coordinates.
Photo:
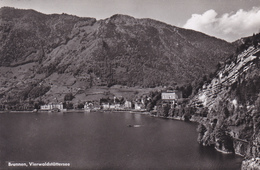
(196, 121)
(18, 111)
(224, 152)
(74, 111)
(128, 111)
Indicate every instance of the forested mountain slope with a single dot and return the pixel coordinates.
(46, 53)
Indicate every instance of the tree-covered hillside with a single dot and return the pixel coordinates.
(64, 53)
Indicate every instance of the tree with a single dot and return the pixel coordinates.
(37, 105)
(80, 106)
(186, 90)
(68, 105)
(165, 110)
(201, 130)
(68, 97)
(149, 107)
(223, 139)
(154, 96)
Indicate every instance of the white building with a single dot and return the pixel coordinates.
(88, 106)
(171, 95)
(106, 106)
(128, 104)
(138, 106)
(52, 106)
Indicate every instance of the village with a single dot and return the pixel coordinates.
(169, 97)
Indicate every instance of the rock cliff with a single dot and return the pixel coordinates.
(231, 99)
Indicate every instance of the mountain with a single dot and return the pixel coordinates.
(51, 55)
(230, 103)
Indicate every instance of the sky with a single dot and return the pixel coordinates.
(225, 19)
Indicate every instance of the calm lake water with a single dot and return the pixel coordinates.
(104, 141)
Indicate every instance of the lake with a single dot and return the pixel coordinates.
(103, 140)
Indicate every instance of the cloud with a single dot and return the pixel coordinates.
(229, 26)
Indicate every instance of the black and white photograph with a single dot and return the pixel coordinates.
(130, 84)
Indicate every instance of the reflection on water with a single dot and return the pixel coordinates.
(103, 140)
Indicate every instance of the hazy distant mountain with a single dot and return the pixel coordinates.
(73, 52)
